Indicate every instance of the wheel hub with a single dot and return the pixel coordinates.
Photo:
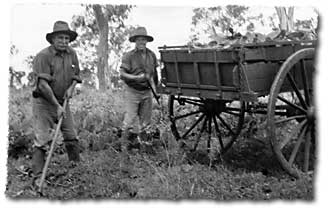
(311, 114)
(214, 106)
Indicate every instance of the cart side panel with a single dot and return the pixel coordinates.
(227, 74)
(207, 74)
(167, 74)
(260, 76)
(298, 78)
(203, 75)
(275, 52)
(186, 74)
(198, 56)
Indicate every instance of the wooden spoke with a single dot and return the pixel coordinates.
(289, 119)
(297, 145)
(194, 125)
(209, 134)
(296, 90)
(197, 140)
(225, 124)
(305, 81)
(292, 135)
(291, 104)
(307, 152)
(186, 115)
(218, 132)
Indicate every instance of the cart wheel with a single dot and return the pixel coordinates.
(291, 113)
(199, 120)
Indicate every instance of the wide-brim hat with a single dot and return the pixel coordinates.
(140, 32)
(61, 27)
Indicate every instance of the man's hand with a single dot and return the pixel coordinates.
(70, 90)
(60, 111)
(141, 78)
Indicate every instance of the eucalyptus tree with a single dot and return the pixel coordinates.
(102, 34)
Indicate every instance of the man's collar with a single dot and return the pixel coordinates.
(54, 51)
(137, 50)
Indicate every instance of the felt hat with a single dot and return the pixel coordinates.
(140, 32)
(61, 27)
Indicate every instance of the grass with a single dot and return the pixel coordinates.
(111, 174)
(248, 171)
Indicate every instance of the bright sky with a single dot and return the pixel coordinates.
(169, 25)
(28, 26)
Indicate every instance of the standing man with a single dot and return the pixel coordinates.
(138, 71)
(57, 72)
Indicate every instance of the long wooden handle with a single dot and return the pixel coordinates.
(49, 156)
(153, 91)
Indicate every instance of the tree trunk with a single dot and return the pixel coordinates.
(102, 48)
(286, 22)
(11, 79)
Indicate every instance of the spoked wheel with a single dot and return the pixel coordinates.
(291, 113)
(206, 120)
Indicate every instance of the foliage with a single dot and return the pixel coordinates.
(15, 79)
(95, 113)
(29, 61)
(249, 171)
(13, 50)
(89, 35)
(239, 24)
(20, 111)
(220, 19)
(15, 76)
(169, 173)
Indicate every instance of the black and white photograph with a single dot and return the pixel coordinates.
(136, 101)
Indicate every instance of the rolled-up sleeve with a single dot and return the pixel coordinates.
(155, 76)
(155, 60)
(42, 68)
(126, 65)
(76, 69)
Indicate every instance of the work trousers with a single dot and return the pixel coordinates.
(45, 120)
(138, 106)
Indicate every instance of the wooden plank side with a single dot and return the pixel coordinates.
(206, 73)
(212, 94)
(310, 71)
(226, 74)
(271, 53)
(168, 73)
(186, 73)
(253, 52)
(261, 75)
(190, 57)
(201, 87)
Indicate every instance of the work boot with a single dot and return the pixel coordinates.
(132, 139)
(73, 150)
(38, 161)
(146, 143)
(144, 136)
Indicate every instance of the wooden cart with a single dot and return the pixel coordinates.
(211, 89)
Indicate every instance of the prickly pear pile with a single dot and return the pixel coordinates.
(218, 40)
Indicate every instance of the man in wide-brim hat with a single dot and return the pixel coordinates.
(56, 70)
(138, 71)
